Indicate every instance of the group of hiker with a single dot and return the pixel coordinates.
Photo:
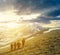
(18, 44)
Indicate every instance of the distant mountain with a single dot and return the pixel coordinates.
(51, 29)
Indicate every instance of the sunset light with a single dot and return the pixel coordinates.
(29, 27)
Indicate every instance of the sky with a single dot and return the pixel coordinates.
(44, 12)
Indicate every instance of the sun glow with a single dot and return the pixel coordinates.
(8, 15)
(12, 25)
(12, 18)
(11, 15)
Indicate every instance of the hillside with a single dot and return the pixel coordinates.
(41, 44)
(12, 34)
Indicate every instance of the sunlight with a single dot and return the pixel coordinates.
(12, 25)
(10, 18)
(10, 15)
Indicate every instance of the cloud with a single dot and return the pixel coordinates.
(54, 13)
(26, 6)
(6, 4)
(57, 23)
(44, 19)
(30, 6)
(49, 9)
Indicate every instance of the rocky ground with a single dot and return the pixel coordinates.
(41, 44)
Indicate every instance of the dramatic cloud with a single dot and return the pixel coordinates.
(36, 5)
(49, 9)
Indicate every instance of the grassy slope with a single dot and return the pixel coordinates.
(42, 44)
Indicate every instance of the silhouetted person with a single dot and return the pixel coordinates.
(12, 47)
(23, 42)
(18, 44)
(15, 45)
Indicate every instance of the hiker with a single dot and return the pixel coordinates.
(18, 45)
(23, 42)
(15, 46)
(12, 46)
